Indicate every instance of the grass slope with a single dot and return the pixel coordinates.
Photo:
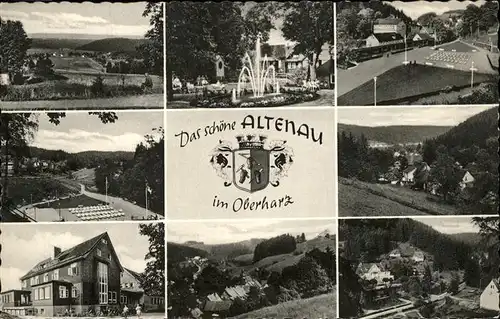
(358, 198)
(407, 82)
(323, 306)
(395, 134)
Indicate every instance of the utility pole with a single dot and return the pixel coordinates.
(472, 69)
(106, 190)
(375, 91)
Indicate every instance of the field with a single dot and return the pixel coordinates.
(85, 176)
(72, 202)
(358, 198)
(401, 83)
(323, 306)
(112, 79)
(25, 190)
(79, 64)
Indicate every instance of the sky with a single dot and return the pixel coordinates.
(454, 225)
(437, 116)
(79, 131)
(230, 232)
(106, 18)
(25, 245)
(415, 9)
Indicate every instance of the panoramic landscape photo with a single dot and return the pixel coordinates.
(419, 268)
(252, 269)
(417, 53)
(81, 166)
(249, 54)
(81, 55)
(418, 161)
(83, 270)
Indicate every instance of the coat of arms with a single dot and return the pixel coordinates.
(255, 164)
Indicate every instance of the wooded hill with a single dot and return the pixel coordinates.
(395, 134)
(113, 45)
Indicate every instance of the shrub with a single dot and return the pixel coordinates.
(97, 87)
(485, 93)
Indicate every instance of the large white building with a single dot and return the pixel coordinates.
(389, 25)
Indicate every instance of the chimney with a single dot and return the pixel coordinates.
(57, 251)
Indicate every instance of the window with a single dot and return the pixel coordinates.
(109, 257)
(73, 270)
(37, 280)
(63, 292)
(41, 293)
(123, 299)
(46, 291)
(32, 281)
(112, 297)
(104, 241)
(46, 277)
(102, 280)
(74, 292)
(36, 295)
(99, 253)
(25, 283)
(55, 276)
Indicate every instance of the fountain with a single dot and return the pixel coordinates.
(257, 72)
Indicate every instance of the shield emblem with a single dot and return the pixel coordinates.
(251, 169)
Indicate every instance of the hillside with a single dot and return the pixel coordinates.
(113, 45)
(57, 43)
(476, 130)
(471, 239)
(323, 306)
(394, 134)
(177, 252)
(86, 157)
(230, 250)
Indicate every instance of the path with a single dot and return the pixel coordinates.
(148, 101)
(128, 208)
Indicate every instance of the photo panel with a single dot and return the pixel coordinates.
(83, 269)
(251, 54)
(252, 269)
(81, 166)
(417, 53)
(418, 161)
(67, 56)
(418, 267)
(250, 164)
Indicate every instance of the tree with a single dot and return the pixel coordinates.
(349, 290)
(303, 237)
(454, 284)
(426, 19)
(14, 45)
(472, 275)
(153, 279)
(446, 173)
(310, 25)
(152, 50)
(44, 66)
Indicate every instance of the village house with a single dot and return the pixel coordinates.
(490, 297)
(467, 181)
(395, 254)
(389, 26)
(379, 39)
(418, 257)
(409, 175)
(424, 38)
(370, 271)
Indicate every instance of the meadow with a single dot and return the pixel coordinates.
(26, 190)
(323, 306)
(358, 198)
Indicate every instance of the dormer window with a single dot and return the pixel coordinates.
(46, 277)
(99, 253)
(104, 241)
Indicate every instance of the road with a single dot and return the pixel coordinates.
(128, 208)
(367, 70)
(148, 101)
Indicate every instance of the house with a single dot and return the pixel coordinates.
(409, 174)
(414, 158)
(395, 254)
(389, 25)
(84, 277)
(231, 293)
(370, 271)
(132, 294)
(418, 256)
(378, 39)
(424, 38)
(213, 309)
(467, 180)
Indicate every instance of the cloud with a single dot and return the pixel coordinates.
(451, 225)
(77, 140)
(69, 18)
(13, 15)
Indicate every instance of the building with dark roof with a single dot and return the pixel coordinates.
(379, 39)
(85, 278)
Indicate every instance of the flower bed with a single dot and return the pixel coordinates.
(282, 99)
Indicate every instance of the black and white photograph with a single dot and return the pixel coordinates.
(252, 269)
(248, 54)
(419, 268)
(418, 161)
(417, 53)
(83, 270)
(65, 56)
(81, 166)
